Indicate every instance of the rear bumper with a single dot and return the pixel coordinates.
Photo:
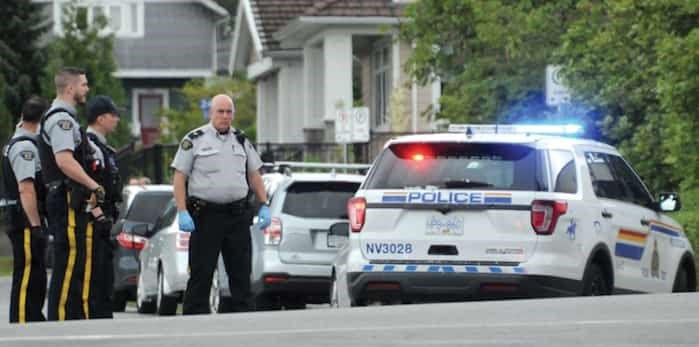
(311, 289)
(426, 287)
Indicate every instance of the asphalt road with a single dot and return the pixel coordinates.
(628, 320)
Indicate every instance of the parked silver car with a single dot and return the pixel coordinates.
(163, 272)
(292, 257)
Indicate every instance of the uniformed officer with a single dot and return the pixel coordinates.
(215, 169)
(73, 198)
(25, 187)
(103, 119)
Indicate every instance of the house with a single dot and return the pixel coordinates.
(159, 45)
(310, 59)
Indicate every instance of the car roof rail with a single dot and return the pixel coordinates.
(287, 167)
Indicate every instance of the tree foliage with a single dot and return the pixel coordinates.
(21, 59)
(86, 45)
(177, 123)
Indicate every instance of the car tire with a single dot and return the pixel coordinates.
(681, 284)
(119, 300)
(266, 302)
(165, 305)
(595, 282)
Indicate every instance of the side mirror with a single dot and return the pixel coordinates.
(669, 202)
(338, 234)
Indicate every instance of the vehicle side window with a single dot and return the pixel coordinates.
(167, 217)
(563, 171)
(635, 189)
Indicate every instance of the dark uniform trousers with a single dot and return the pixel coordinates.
(73, 238)
(101, 288)
(28, 275)
(225, 231)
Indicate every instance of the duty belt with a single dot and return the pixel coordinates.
(200, 205)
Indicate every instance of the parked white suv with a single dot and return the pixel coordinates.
(488, 211)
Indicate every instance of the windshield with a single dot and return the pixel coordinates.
(147, 206)
(319, 199)
(487, 166)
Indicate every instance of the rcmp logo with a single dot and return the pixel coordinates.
(27, 155)
(65, 124)
(186, 144)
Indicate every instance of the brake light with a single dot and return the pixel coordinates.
(182, 241)
(545, 213)
(273, 232)
(418, 156)
(131, 241)
(356, 210)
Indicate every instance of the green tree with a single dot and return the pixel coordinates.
(86, 45)
(21, 60)
(177, 123)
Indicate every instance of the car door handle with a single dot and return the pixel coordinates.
(645, 222)
(606, 214)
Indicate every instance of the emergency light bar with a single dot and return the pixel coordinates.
(548, 129)
(285, 166)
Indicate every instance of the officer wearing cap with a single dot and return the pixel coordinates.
(215, 169)
(24, 187)
(102, 120)
(73, 198)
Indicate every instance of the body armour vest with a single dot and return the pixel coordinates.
(49, 167)
(10, 180)
(108, 176)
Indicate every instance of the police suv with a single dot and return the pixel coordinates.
(506, 211)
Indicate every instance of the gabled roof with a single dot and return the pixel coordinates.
(355, 8)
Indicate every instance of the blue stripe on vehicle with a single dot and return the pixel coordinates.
(411, 268)
(519, 270)
(447, 269)
(495, 269)
(471, 269)
(393, 198)
(368, 268)
(628, 251)
(389, 268)
(498, 200)
(663, 230)
(433, 268)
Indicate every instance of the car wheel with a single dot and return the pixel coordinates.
(119, 300)
(681, 284)
(144, 304)
(595, 283)
(165, 305)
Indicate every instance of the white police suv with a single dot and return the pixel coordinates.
(504, 211)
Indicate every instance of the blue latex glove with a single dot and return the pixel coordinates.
(185, 221)
(263, 217)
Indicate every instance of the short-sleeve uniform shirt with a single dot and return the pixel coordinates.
(215, 164)
(63, 130)
(24, 157)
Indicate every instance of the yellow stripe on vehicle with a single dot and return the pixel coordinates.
(88, 270)
(25, 276)
(71, 262)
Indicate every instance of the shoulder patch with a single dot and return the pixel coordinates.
(186, 144)
(65, 124)
(27, 155)
(194, 134)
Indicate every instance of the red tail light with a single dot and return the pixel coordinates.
(545, 215)
(273, 233)
(182, 241)
(131, 241)
(356, 210)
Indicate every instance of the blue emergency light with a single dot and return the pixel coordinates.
(542, 129)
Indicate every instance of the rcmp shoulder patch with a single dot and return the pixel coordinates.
(27, 155)
(65, 124)
(186, 144)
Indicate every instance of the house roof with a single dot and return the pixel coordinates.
(272, 15)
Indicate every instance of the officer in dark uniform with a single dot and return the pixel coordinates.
(103, 119)
(73, 198)
(24, 188)
(215, 168)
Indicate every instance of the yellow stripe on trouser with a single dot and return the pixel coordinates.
(25, 276)
(88, 270)
(71, 262)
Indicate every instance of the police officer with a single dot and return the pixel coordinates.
(25, 187)
(73, 198)
(103, 119)
(215, 168)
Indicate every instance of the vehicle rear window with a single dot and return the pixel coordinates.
(458, 165)
(319, 199)
(147, 206)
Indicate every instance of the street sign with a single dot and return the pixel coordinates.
(352, 126)
(556, 92)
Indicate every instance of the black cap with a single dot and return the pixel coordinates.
(99, 105)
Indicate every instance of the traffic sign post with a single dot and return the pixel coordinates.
(351, 126)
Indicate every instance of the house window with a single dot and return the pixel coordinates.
(381, 63)
(124, 17)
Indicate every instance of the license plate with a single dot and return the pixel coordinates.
(336, 241)
(444, 226)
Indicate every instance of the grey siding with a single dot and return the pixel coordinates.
(176, 36)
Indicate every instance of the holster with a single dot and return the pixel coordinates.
(78, 196)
